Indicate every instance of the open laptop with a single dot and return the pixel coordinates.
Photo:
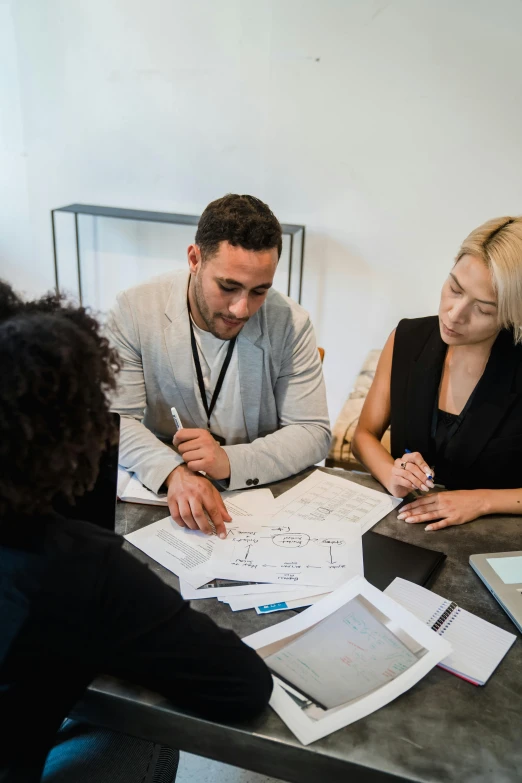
(501, 572)
(99, 505)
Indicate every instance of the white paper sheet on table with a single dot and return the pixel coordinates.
(321, 497)
(249, 502)
(297, 552)
(124, 476)
(308, 721)
(133, 491)
(225, 588)
(184, 552)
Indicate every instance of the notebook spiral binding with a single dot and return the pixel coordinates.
(434, 615)
(450, 620)
(442, 619)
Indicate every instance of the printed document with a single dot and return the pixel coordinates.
(184, 552)
(322, 497)
(369, 651)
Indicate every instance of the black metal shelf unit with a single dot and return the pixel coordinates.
(158, 217)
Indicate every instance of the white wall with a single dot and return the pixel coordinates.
(389, 128)
(16, 262)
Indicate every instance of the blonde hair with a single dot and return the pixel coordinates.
(498, 243)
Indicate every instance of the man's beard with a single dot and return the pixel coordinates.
(205, 312)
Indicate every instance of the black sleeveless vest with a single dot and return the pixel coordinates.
(486, 450)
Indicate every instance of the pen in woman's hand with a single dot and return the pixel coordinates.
(429, 476)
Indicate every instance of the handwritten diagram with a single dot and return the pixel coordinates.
(291, 553)
(324, 498)
(286, 540)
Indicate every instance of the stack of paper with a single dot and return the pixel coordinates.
(291, 553)
(187, 552)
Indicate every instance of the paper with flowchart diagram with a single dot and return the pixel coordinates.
(322, 497)
(296, 553)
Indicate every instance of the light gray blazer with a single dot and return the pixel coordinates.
(280, 373)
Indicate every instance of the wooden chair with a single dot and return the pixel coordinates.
(321, 354)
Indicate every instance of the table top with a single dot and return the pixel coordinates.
(442, 729)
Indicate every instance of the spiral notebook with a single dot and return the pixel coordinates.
(478, 646)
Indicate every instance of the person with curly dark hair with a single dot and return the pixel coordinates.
(73, 603)
(235, 358)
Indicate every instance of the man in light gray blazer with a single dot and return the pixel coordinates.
(219, 331)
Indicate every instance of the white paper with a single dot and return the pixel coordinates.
(225, 588)
(478, 646)
(124, 476)
(321, 497)
(251, 502)
(135, 492)
(300, 553)
(184, 552)
(310, 723)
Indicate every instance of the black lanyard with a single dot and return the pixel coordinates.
(197, 364)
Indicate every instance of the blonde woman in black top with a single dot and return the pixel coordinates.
(450, 386)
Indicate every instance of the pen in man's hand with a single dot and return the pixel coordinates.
(176, 417)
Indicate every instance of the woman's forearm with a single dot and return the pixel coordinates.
(369, 450)
(502, 501)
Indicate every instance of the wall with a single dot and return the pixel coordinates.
(15, 246)
(389, 128)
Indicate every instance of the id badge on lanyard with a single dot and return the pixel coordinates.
(199, 373)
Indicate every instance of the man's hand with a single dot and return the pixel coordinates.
(201, 452)
(409, 472)
(193, 500)
(450, 508)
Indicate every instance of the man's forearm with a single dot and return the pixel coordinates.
(278, 455)
(144, 454)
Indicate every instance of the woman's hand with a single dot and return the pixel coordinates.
(450, 508)
(410, 471)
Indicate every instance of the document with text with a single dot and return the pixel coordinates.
(184, 552)
(322, 497)
(349, 654)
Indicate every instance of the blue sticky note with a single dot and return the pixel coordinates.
(509, 569)
(272, 607)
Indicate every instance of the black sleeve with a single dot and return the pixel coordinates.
(149, 635)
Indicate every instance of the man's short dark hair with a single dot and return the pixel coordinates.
(57, 373)
(242, 221)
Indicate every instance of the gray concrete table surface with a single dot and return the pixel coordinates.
(443, 729)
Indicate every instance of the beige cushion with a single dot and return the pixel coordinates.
(341, 454)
